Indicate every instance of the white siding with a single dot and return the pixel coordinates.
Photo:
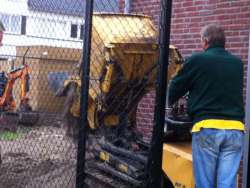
(41, 28)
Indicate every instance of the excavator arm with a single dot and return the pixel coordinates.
(7, 101)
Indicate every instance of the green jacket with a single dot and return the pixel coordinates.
(213, 80)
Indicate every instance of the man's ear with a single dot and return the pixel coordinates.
(205, 44)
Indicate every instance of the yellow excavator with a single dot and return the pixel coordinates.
(123, 63)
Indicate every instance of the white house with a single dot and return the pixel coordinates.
(46, 22)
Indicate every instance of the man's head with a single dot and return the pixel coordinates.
(2, 29)
(212, 34)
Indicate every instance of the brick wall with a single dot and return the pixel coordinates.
(145, 115)
(188, 17)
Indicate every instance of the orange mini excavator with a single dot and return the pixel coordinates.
(9, 112)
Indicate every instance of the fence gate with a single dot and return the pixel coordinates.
(63, 119)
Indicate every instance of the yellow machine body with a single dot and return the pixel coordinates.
(177, 164)
(123, 47)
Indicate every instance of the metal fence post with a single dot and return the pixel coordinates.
(155, 158)
(245, 182)
(84, 95)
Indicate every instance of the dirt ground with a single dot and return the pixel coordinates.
(41, 157)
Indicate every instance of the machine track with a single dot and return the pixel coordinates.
(98, 179)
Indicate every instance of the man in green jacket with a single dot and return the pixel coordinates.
(213, 80)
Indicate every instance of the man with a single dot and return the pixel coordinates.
(213, 80)
(2, 29)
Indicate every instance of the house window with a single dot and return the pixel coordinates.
(23, 25)
(15, 24)
(73, 32)
(11, 23)
(81, 31)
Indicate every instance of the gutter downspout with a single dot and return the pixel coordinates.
(127, 6)
(245, 181)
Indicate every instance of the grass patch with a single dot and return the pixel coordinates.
(10, 136)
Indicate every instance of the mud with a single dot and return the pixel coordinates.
(41, 157)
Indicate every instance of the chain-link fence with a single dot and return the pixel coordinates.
(41, 86)
(42, 46)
